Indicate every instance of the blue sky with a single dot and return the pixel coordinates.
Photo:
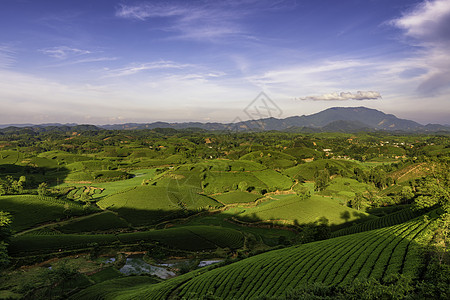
(105, 61)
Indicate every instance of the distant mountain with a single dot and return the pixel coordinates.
(342, 119)
(372, 117)
(336, 119)
(40, 125)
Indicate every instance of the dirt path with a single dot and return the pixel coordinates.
(410, 170)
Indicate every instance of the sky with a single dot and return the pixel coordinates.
(110, 62)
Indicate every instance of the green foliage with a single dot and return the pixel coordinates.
(358, 201)
(43, 189)
(407, 193)
(435, 189)
(10, 186)
(5, 233)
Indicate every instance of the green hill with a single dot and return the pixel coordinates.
(294, 209)
(146, 205)
(384, 221)
(271, 159)
(236, 197)
(306, 171)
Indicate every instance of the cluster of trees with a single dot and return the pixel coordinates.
(377, 176)
(5, 233)
(11, 186)
(434, 189)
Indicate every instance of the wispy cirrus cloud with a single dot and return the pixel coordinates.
(84, 61)
(63, 52)
(137, 68)
(7, 56)
(342, 96)
(206, 21)
(427, 25)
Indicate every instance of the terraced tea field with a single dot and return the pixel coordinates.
(338, 261)
(192, 238)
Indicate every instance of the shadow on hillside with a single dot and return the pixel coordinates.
(141, 221)
(35, 175)
(150, 229)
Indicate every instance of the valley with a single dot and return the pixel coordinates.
(279, 213)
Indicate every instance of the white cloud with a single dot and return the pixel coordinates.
(342, 96)
(63, 52)
(428, 24)
(429, 21)
(153, 97)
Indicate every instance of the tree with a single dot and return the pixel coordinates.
(85, 197)
(442, 238)
(434, 189)
(322, 179)
(243, 186)
(2, 189)
(20, 184)
(357, 201)
(42, 189)
(5, 233)
(407, 193)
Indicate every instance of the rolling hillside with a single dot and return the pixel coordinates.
(373, 254)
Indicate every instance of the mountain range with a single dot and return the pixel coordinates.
(336, 119)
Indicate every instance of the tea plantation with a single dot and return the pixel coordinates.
(194, 214)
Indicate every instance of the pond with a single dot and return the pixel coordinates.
(137, 265)
(202, 263)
